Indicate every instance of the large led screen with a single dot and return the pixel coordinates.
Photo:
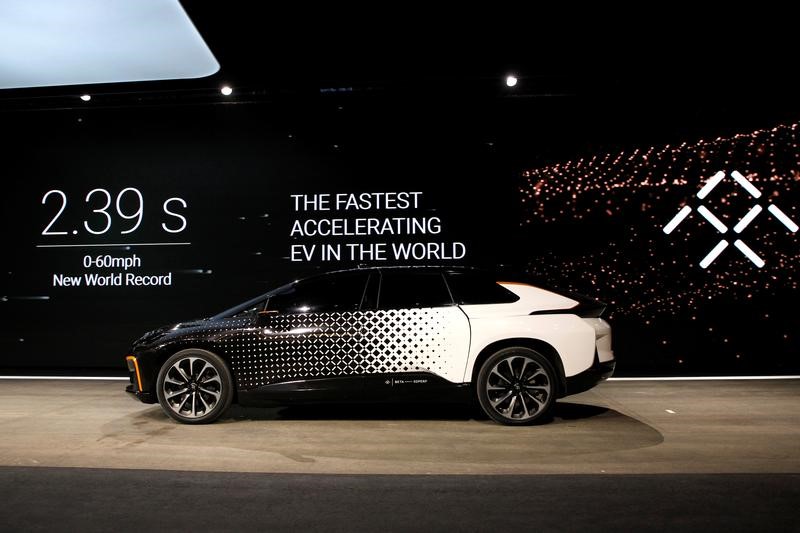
(116, 221)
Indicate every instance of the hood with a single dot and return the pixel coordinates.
(162, 332)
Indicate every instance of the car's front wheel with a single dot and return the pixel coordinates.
(516, 386)
(194, 386)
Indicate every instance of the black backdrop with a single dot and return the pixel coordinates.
(502, 174)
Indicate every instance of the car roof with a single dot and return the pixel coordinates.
(447, 268)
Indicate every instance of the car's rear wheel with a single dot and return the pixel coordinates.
(194, 386)
(516, 386)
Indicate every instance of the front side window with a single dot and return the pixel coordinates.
(408, 289)
(328, 293)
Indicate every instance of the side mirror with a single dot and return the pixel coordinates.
(263, 316)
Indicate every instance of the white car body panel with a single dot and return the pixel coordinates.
(575, 339)
(569, 335)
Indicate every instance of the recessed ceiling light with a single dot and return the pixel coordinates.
(226, 90)
(511, 80)
(86, 97)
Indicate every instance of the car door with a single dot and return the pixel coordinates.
(417, 337)
(307, 340)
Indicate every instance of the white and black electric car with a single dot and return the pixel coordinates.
(381, 334)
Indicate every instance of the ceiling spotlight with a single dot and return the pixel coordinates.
(511, 80)
(86, 97)
(226, 90)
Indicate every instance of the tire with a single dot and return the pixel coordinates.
(517, 386)
(194, 386)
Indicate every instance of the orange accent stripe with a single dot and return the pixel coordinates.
(136, 366)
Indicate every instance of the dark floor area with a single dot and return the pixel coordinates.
(69, 499)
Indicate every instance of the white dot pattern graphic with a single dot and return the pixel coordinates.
(322, 345)
(319, 345)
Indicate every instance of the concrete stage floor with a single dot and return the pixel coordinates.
(643, 427)
(627, 456)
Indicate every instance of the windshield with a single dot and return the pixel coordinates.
(251, 305)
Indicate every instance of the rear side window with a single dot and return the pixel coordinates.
(323, 294)
(408, 289)
(472, 288)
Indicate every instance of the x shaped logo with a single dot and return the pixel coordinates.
(739, 227)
